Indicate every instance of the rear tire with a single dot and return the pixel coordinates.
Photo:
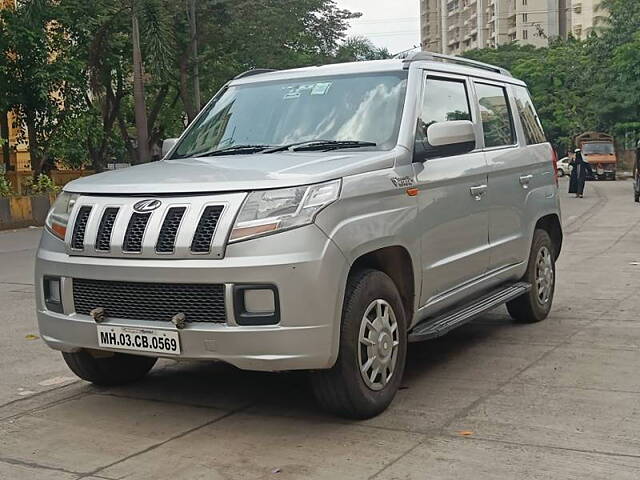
(116, 369)
(534, 306)
(373, 340)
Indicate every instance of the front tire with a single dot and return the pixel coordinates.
(372, 352)
(534, 306)
(106, 369)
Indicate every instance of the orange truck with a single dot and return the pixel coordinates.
(598, 149)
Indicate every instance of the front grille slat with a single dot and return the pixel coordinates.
(103, 239)
(169, 231)
(135, 232)
(80, 227)
(151, 301)
(206, 228)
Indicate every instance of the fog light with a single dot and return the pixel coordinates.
(256, 304)
(259, 301)
(52, 294)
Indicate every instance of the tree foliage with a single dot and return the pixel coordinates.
(41, 83)
(66, 65)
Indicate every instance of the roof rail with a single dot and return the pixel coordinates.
(439, 57)
(253, 71)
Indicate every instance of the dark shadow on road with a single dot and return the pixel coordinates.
(218, 385)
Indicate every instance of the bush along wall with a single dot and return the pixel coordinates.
(18, 211)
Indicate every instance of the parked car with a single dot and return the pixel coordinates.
(315, 219)
(564, 168)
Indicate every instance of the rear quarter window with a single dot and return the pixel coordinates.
(533, 132)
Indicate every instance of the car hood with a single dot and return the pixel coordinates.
(232, 173)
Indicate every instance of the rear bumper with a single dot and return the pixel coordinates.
(307, 269)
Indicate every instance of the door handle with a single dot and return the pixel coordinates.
(478, 191)
(524, 180)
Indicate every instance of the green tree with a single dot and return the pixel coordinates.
(43, 84)
(98, 30)
(356, 49)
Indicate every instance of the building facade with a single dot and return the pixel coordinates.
(454, 26)
(584, 17)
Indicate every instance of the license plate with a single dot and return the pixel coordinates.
(139, 339)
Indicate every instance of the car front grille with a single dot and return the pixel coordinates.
(103, 241)
(135, 232)
(151, 301)
(179, 227)
(79, 229)
(169, 230)
(206, 228)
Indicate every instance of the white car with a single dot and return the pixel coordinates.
(563, 167)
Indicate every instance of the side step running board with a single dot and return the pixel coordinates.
(438, 326)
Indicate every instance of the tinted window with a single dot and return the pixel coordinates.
(444, 101)
(531, 125)
(495, 114)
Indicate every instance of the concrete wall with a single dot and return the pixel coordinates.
(22, 211)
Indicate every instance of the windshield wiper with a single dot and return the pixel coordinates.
(325, 145)
(233, 150)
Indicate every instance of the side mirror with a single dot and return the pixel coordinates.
(445, 134)
(447, 138)
(167, 145)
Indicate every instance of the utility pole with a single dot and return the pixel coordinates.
(193, 30)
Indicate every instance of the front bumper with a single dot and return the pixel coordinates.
(307, 269)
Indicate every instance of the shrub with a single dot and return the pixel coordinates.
(42, 185)
(5, 187)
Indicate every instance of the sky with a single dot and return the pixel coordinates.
(394, 24)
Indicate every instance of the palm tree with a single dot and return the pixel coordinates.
(157, 43)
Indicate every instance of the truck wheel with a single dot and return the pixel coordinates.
(109, 370)
(535, 305)
(372, 352)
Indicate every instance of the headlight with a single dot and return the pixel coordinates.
(58, 216)
(271, 211)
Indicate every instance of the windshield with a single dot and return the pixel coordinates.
(597, 148)
(360, 108)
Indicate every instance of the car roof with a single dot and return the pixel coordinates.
(475, 69)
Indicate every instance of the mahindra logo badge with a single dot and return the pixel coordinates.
(145, 206)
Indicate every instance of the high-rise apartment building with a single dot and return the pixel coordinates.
(584, 16)
(453, 26)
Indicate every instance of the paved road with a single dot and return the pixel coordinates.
(492, 400)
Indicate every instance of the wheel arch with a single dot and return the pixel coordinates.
(551, 224)
(396, 262)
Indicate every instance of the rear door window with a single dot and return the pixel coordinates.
(496, 116)
(531, 125)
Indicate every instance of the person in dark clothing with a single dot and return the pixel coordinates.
(579, 174)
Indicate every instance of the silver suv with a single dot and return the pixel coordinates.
(314, 219)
